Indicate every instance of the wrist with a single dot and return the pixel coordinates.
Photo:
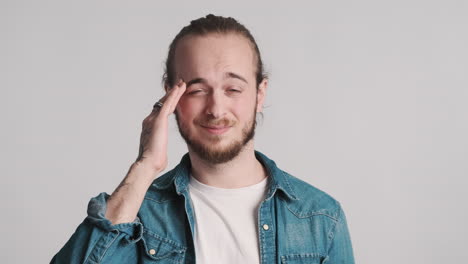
(142, 172)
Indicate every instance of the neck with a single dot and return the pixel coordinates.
(244, 170)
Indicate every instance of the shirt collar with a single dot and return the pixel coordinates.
(179, 176)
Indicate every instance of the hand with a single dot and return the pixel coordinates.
(154, 134)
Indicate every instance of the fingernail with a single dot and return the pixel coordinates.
(179, 84)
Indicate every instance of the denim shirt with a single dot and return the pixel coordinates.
(297, 223)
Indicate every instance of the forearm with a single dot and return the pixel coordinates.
(96, 240)
(125, 202)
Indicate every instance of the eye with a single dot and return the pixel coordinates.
(195, 91)
(234, 90)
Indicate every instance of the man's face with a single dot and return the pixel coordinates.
(216, 115)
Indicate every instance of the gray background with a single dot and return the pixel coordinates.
(367, 101)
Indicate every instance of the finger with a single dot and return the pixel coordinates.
(179, 95)
(172, 100)
(156, 107)
(163, 100)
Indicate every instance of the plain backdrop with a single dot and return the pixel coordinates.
(367, 100)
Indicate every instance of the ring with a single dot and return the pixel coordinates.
(157, 105)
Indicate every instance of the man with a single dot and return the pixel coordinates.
(224, 202)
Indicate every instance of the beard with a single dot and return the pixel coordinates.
(209, 152)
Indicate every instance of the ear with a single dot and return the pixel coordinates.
(166, 87)
(261, 94)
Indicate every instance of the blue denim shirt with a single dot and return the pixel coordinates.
(297, 223)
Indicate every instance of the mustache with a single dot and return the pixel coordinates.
(224, 122)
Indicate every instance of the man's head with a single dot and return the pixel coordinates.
(220, 62)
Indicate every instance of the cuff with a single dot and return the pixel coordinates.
(97, 207)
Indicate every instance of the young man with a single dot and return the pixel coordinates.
(224, 202)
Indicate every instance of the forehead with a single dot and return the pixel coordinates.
(212, 55)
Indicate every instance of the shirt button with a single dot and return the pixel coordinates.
(152, 251)
(266, 227)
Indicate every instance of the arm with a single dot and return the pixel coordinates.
(111, 229)
(126, 200)
(96, 237)
(340, 250)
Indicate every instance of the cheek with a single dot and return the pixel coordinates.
(186, 109)
(244, 110)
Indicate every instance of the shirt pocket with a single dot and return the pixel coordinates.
(302, 259)
(161, 250)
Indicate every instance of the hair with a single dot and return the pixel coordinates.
(207, 25)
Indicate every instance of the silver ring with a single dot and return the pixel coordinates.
(158, 105)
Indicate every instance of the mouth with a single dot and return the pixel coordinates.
(216, 130)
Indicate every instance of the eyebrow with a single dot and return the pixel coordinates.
(227, 75)
(235, 76)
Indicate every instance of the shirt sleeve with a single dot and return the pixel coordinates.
(96, 239)
(340, 250)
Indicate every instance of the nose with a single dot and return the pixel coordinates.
(215, 105)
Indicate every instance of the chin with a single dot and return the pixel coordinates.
(217, 153)
(216, 149)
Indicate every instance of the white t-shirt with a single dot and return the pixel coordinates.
(226, 222)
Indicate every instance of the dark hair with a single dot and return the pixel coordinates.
(204, 26)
